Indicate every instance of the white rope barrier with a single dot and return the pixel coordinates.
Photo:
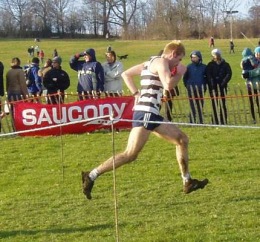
(127, 120)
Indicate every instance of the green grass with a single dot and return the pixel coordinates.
(40, 180)
(41, 197)
(138, 51)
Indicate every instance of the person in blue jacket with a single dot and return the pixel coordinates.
(90, 74)
(34, 82)
(195, 81)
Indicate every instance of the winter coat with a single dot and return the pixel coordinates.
(56, 79)
(15, 82)
(36, 86)
(195, 76)
(218, 75)
(90, 74)
(113, 79)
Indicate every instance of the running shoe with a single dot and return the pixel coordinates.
(194, 184)
(87, 184)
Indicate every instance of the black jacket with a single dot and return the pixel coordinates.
(218, 75)
(1, 79)
(56, 79)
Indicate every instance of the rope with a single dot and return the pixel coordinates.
(114, 178)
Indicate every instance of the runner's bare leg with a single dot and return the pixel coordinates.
(136, 141)
(174, 135)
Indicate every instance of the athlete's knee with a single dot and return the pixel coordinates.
(183, 139)
(130, 156)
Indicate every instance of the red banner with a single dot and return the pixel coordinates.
(72, 118)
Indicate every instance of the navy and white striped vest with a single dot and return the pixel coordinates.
(151, 91)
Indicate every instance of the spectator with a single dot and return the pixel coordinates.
(15, 83)
(1, 80)
(30, 51)
(251, 72)
(90, 74)
(211, 42)
(37, 50)
(195, 81)
(41, 73)
(56, 82)
(112, 70)
(231, 46)
(1, 90)
(218, 73)
(34, 83)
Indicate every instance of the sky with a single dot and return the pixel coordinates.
(243, 9)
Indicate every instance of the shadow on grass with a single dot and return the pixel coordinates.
(13, 233)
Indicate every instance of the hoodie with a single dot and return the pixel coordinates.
(90, 73)
(249, 63)
(195, 76)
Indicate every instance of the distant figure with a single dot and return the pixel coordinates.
(37, 50)
(231, 47)
(41, 56)
(211, 42)
(30, 51)
(55, 53)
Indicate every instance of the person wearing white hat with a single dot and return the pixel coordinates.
(219, 74)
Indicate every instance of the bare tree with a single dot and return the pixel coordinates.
(18, 10)
(59, 9)
(41, 10)
(123, 12)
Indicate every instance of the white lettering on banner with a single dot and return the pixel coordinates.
(29, 117)
(44, 116)
(70, 114)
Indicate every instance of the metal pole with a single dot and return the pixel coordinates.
(231, 12)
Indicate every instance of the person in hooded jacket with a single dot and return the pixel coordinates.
(90, 74)
(194, 80)
(35, 82)
(219, 74)
(248, 63)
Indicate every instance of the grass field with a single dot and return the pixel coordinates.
(138, 51)
(40, 180)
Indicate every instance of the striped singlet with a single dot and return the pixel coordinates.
(151, 91)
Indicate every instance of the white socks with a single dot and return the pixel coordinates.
(186, 178)
(93, 174)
